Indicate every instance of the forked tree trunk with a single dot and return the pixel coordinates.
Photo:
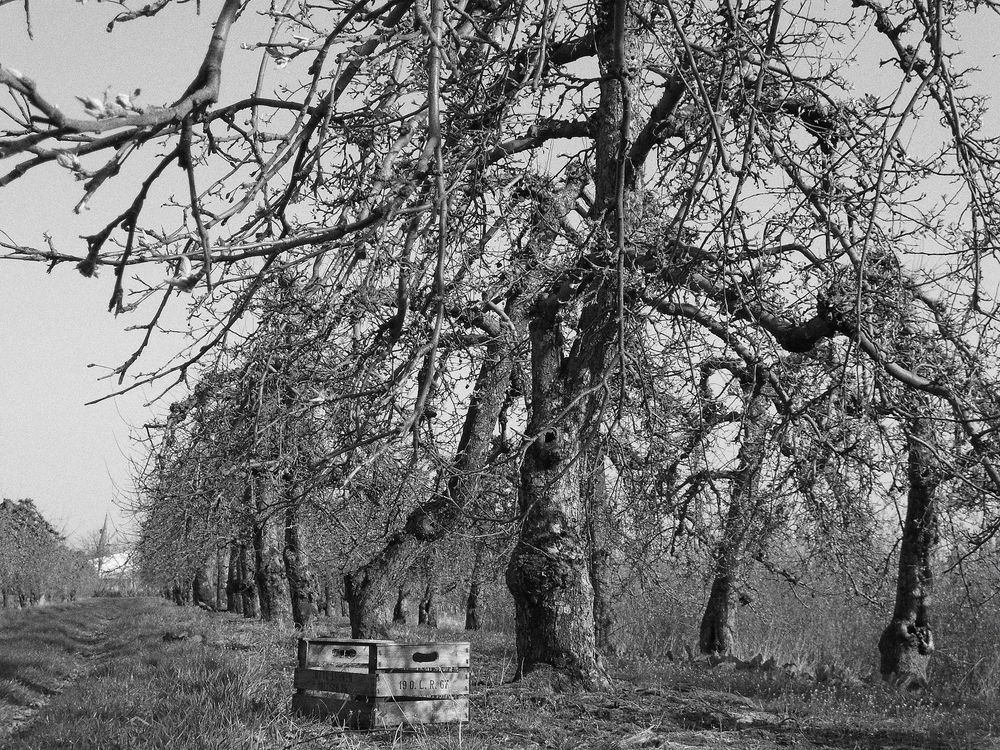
(907, 642)
(368, 590)
(548, 574)
(599, 557)
(301, 584)
(741, 528)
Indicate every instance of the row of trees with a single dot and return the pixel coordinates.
(588, 280)
(35, 563)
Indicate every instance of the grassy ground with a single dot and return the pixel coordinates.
(99, 674)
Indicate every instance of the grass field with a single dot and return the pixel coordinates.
(99, 674)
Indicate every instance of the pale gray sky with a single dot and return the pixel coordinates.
(73, 459)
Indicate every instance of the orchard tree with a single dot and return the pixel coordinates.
(579, 172)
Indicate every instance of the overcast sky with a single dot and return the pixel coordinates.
(74, 459)
(71, 458)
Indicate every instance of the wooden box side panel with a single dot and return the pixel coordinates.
(422, 684)
(385, 684)
(418, 656)
(383, 713)
(350, 683)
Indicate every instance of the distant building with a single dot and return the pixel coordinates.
(117, 573)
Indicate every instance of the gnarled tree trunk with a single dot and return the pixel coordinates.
(548, 573)
(907, 642)
(269, 569)
(366, 594)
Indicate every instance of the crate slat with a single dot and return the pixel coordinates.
(351, 683)
(328, 654)
(385, 684)
(381, 713)
(422, 684)
(391, 713)
(428, 656)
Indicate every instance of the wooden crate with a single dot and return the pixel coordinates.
(372, 684)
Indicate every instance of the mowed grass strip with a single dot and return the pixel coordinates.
(39, 653)
(135, 690)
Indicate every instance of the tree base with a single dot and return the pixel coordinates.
(905, 650)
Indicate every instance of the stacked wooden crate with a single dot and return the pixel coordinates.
(371, 684)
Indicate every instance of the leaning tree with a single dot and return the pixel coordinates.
(543, 183)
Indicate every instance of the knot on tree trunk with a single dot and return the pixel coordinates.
(549, 448)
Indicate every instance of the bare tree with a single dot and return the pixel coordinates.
(573, 175)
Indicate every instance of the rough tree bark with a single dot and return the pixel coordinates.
(269, 569)
(345, 609)
(301, 582)
(718, 623)
(181, 591)
(907, 642)
(548, 574)
(248, 583)
(599, 558)
(221, 571)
